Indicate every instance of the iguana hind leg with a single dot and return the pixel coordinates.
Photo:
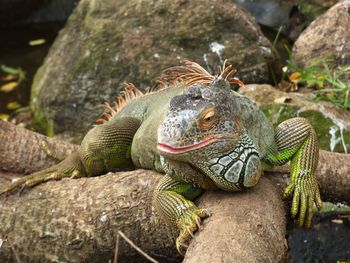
(104, 148)
(296, 140)
(171, 200)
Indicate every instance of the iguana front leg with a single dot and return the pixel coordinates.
(104, 148)
(171, 199)
(296, 140)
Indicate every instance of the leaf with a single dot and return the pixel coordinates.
(319, 84)
(294, 77)
(9, 77)
(37, 42)
(13, 105)
(4, 116)
(10, 70)
(8, 87)
(337, 221)
(283, 100)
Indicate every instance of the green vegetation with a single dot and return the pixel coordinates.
(13, 77)
(331, 207)
(10, 79)
(330, 83)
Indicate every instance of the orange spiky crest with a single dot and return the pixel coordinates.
(130, 92)
(192, 73)
(185, 75)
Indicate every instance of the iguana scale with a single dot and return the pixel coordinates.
(203, 136)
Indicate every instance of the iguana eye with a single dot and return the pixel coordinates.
(208, 118)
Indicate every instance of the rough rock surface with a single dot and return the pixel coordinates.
(106, 43)
(327, 36)
(331, 123)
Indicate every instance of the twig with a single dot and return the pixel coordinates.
(120, 233)
(14, 251)
(116, 249)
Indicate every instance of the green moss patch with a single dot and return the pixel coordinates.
(328, 132)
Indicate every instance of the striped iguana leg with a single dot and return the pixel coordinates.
(171, 199)
(105, 148)
(296, 140)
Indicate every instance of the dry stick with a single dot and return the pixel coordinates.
(14, 251)
(116, 249)
(120, 233)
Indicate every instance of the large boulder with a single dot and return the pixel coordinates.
(331, 123)
(107, 43)
(328, 36)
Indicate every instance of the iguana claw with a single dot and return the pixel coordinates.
(189, 223)
(306, 193)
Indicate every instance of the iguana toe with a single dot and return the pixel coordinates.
(54, 173)
(189, 223)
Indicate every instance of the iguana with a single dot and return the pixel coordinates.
(203, 136)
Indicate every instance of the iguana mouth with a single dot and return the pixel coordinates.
(165, 148)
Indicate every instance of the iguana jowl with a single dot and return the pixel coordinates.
(203, 136)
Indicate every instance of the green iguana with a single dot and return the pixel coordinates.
(202, 135)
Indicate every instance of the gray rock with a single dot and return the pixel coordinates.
(289, 16)
(271, 13)
(327, 36)
(106, 43)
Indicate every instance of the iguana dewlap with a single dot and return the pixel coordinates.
(203, 136)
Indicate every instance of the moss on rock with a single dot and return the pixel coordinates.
(332, 124)
(324, 126)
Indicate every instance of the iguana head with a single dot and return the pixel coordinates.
(203, 128)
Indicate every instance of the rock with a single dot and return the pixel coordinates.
(288, 16)
(328, 36)
(107, 43)
(271, 13)
(331, 123)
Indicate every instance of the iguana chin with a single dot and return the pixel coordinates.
(203, 136)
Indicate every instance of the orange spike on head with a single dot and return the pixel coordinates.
(191, 73)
